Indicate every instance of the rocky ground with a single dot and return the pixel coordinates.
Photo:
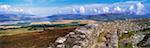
(133, 33)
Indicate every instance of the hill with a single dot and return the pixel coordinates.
(33, 40)
(98, 17)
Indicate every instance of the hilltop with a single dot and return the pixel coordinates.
(129, 33)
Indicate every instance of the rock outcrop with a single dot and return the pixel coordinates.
(115, 34)
(83, 37)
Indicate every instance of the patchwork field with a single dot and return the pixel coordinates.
(15, 31)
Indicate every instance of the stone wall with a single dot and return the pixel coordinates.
(83, 37)
(88, 36)
(101, 35)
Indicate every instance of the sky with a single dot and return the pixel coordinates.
(50, 3)
(47, 6)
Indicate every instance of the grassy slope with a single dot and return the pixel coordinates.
(14, 31)
(34, 39)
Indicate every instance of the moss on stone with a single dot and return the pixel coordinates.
(144, 24)
(127, 35)
(145, 30)
(101, 37)
(128, 45)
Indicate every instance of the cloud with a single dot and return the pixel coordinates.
(67, 9)
(10, 9)
(5, 6)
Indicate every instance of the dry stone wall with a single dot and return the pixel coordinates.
(83, 37)
(101, 35)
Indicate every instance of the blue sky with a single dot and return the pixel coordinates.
(49, 7)
(50, 3)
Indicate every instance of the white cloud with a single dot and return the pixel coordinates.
(5, 6)
(9, 9)
(101, 8)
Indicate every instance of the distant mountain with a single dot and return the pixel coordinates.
(98, 17)
(4, 17)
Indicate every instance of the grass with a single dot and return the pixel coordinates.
(129, 45)
(33, 28)
(145, 30)
(124, 38)
(15, 31)
(101, 36)
(34, 39)
(144, 24)
(127, 35)
(131, 33)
